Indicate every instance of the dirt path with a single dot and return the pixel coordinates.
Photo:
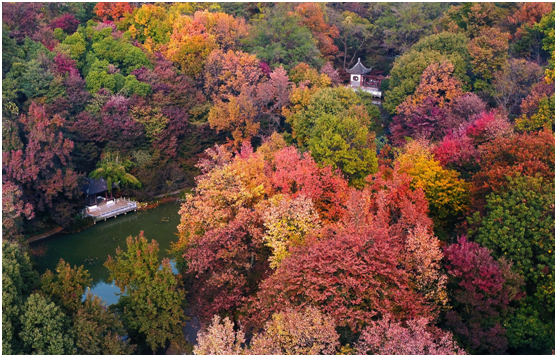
(168, 194)
(45, 234)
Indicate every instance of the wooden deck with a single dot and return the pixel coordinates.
(108, 209)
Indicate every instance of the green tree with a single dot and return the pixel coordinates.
(335, 126)
(97, 43)
(133, 86)
(152, 304)
(11, 52)
(99, 76)
(400, 25)
(407, 69)
(118, 51)
(31, 49)
(34, 77)
(333, 101)
(367, 99)
(547, 26)
(279, 39)
(355, 32)
(528, 330)
(472, 17)
(149, 24)
(113, 170)
(83, 11)
(98, 329)
(544, 118)
(345, 143)
(76, 46)
(59, 34)
(18, 280)
(520, 225)
(45, 329)
(67, 287)
(102, 74)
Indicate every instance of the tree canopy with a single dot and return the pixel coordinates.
(413, 214)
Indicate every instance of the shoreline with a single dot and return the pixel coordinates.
(166, 198)
(44, 235)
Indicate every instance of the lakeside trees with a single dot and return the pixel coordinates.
(315, 214)
(151, 308)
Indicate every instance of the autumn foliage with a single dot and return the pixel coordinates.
(14, 210)
(315, 218)
(112, 10)
(193, 38)
(314, 17)
(305, 332)
(223, 225)
(44, 165)
(485, 288)
(523, 154)
(387, 337)
(358, 264)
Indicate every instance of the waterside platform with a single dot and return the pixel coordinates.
(109, 209)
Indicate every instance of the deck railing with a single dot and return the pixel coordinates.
(117, 211)
(130, 206)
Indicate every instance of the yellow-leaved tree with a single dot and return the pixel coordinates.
(193, 38)
(445, 191)
(288, 221)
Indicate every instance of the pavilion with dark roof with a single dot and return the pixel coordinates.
(95, 187)
(356, 74)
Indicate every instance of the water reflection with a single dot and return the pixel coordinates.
(109, 292)
(91, 247)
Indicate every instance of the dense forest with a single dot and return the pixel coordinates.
(316, 219)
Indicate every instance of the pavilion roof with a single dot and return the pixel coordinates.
(358, 69)
(94, 186)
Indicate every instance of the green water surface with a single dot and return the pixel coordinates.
(92, 246)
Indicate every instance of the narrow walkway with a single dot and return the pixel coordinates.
(45, 234)
(168, 194)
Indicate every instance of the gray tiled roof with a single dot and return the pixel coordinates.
(94, 186)
(358, 69)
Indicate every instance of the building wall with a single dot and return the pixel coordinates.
(355, 80)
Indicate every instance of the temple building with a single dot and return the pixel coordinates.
(366, 79)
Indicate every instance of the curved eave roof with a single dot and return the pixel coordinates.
(358, 69)
(95, 186)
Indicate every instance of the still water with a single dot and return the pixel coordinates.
(92, 246)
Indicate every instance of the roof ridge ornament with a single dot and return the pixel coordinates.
(358, 68)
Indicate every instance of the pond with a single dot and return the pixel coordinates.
(92, 246)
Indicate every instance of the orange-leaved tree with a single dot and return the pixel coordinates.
(113, 10)
(446, 193)
(314, 17)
